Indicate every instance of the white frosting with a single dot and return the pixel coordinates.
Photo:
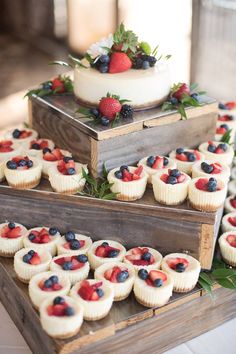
(228, 207)
(225, 224)
(24, 143)
(225, 158)
(152, 171)
(82, 250)
(157, 260)
(185, 166)
(48, 164)
(227, 251)
(51, 246)
(198, 172)
(9, 246)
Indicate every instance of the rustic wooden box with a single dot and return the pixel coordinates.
(150, 132)
(145, 222)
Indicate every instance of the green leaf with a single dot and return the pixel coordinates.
(76, 61)
(104, 171)
(226, 137)
(193, 86)
(110, 196)
(155, 50)
(207, 278)
(26, 125)
(182, 112)
(84, 111)
(205, 286)
(60, 62)
(223, 273)
(202, 92)
(227, 283)
(167, 106)
(218, 263)
(43, 93)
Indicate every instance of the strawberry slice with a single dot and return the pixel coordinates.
(43, 232)
(217, 168)
(108, 274)
(127, 175)
(35, 260)
(56, 287)
(60, 261)
(25, 134)
(66, 245)
(76, 264)
(133, 257)
(49, 157)
(181, 157)
(5, 146)
(197, 154)
(14, 233)
(155, 274)
(138, 170)
(149, 282)
(50, 310)
(221, 130)
(16, 159)
(232, 221)
(231, 239)
(70, 164)
(94, 296)
(233, 202)
(172, 262)
(57, 153)
(136, 177)
(181, 178)
(201, 184)
(164, 177)
(100, 251)
(137, 250)
(45, 238)
(159, 163)
(116, 271)
(140, 262)
(230, 105)
(86, 292)
(43, 144)
(144, 250)
(96, 285)
(219, 150)
(58, 310)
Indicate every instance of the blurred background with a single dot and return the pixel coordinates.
(199, 34)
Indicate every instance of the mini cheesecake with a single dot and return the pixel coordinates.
(50, 158)
(128, 182)
(230, 204)
(21, 137)
(73, 244)
(47, 285)
(75, 268)
(222, 129)
(143, 257)
(66, 176)
(37, 146)
(207, 193)
(227, 242)
(153, 164)
(8, 149)
(22, 172)
(61, 317)
(211, 169)
(43, 238)
(11, 238)
(119, 275)
(228, 119)
(153, 288)
(2, 167)
(228, 222)
(232, 187)
(228, 108)
(95, 296)
(183, 269)
(170, 188)
(28, 262)
(104, 251)
(217, 152)
(185, 158)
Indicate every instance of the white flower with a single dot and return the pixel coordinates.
(97, 49)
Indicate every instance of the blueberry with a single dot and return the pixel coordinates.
(158, 282)
(53, 231)
(206, 168)
(11, 225)
(180, 151)
(223, 147)
(22, 163)
(191, 157)
(122, 276)
(146, 256)
(105, 121)
(31, 237)
(95, 112)
(82, 258)
(124, 167)
(46, 150)
(16, 133)
(145, 65)
(174, 100)
(195, 96)
(103, 68)
(69, 311)
(47, 85)
(211, 148)
(175, 173)
(225, 126)
(30, 163)
(35, 146)
(137, 64)
(100, 292)
(67, 159)
(26, 258)
(12, 165)
(69, 236)
(150, 161)
(75, 245)
(71, 171)
(222, 106)
(172, 180)
(48, 283)
(118, 174)
(67, 266)
(54, 279)
(143, 274)
(58, 300)
(180, 267)
(105, 59)
(113, 253)
(212, 185)
(165, 161)
(105, 244)
(31, 253)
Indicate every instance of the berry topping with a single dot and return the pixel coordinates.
(126, 176)
(106, 251)
(178, 264)
(50, 284)
(52, 155)
(157, 162)
(66, 167)
(232, 221)
(222, 129)
(207, 185)
(225, 118)
(173, 177)
(109, 107)
(6, 146)
(91, 292)
(69, 311)
(39, 237)
(116, 274)
(21, 134)
(217, 149)
(187, 155)
(82, 258)
(71, 262)
(143, 274)
(69, 236)
(154, 278)
(32, 258)
(140, 256)
(231, 239)
(75, 245)
(53, 231)
(180, 90)
(38, 144)
(11, 231)
(19, 163)
(119, 62)
(233, 202)
(58, 300)
(60, 308)
(58, 85)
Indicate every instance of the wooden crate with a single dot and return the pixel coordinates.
(144, 222)
(151, 131)
(128, 328)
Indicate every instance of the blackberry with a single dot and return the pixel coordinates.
(126, 111)
(152, 60)
(137, 63)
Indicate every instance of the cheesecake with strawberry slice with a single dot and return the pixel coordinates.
(228, 108)
(128, 182)
(207, 193)
(43, 238)
(222, 129)
(119, 275)
(21, 137)
(75, 267)
(217, 152)
(185, 158)
(47, 285)
(213, 169)
(153, 288)
(11, 238)
(36, 147)
(66, 176)
(153, 164)
(9, 149)
(230, 203)
(143, 257)
(73, 244)
(228, 222)
(23, 172)
(61, 317)
(104, 251)
(28, 262)
(50, 158)
(95, 296)
(183, 269)
(170, 187)
(227, 243)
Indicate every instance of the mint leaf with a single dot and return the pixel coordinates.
(205, 286)
(193, 86)
(226, 137)
(60, 62)
(223, 273)
(181, 111)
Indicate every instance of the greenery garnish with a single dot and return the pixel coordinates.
(71, 64)
(226, 137)
(126, 38)
(52, 87)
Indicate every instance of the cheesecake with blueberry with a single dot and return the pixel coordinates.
(227, 243)
(73, 243)
(153, 164)
(183, 269)
(61, 317)
(229, 222)
(143, 257)
(128, 182)
(185, 158)
(95, 296)
(227, 119)
(23, 172)
(28, 262)
(170, 187)
(8, 149)
(217, 152)
(104, 251)
(211, 169)
(36, 147)
(227, 108)
(21, 137)
(207, 193)
(153, 288)
(50, 159)
(222, 129)
(66, 176)
(230, 204)
(74, 267)
(119, 275)
(43, 238)
(47, 285)
(11, 238)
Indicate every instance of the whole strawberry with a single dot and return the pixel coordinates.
(179, 90)
(109, 107)
(58, 85)
(119, 62)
